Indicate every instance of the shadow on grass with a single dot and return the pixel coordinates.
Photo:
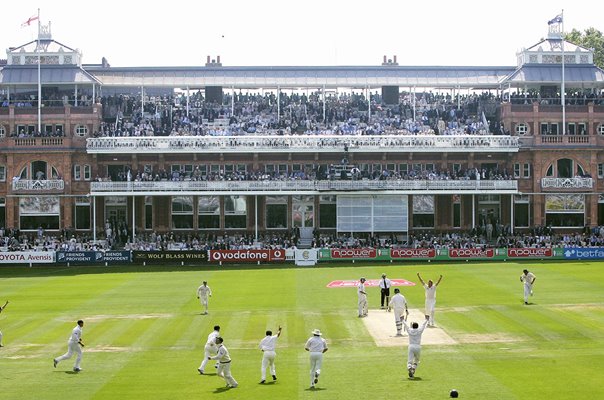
(315, 389)
(417, 378)
(223, 389)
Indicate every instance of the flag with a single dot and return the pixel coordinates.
(556, 20)
(29, 21)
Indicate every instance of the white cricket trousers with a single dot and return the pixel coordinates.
(528, 288)
(72, 347)
(224, 371)
(207, 352)
(268, 361)
(316, 360)
(399, 315)
(204, 302)
(430, 303)
(413, 357)
(362, 306)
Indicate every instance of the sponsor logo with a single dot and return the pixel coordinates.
(530, 253)
(368, 283)
(587, 253)
(19, 257)
(353, 253)
(471, 253)
(249, 255)
(413, 253)
(158, 256)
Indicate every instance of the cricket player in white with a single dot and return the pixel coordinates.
(267, 345)
(74, 345)
(528, 278)
(2, 309)
(224, 364)
(316, 345)
(203, 292)
(398, 303)
(430, 297)
(415, 344)
(210, 348)
(362, 298)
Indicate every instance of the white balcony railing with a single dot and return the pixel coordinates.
(38, 185)
(211, 187)
(567, 183)
(302, 144)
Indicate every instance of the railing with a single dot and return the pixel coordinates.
(302, 143)
(38, 141)
(454, 186)
(565, 139)
(38, 185)
(567, 183)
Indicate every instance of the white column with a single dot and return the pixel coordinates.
(94, 219)
(278, 104)
(473, 211)
(368, 104)
(133, 218)
(232, 101)
(75, 96)
(324, 106)
(256, 218)
(187, 101)
(512, 215)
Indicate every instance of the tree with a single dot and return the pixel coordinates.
(591, 38)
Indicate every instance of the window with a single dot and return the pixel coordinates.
(87, 172)
(581, 128)
(2, 173)
(601, 129)
(148, 212)
(81, 213)
(600, 171)
(2, 131)
(276, 212)
(516, 170)
(81, 130)
(521, 211)
(208, 212)
(571, 129)
(526, 171)
(403, 168)
(423, 211)
(235, 212)
(182, 212)
(522, 129)
(77, 172)
(430, 167)
(327, 211)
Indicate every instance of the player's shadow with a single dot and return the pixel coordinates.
(417, 378)
(222, 389)
(315, 389)
(71, 372)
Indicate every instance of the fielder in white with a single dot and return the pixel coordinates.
(415, 344)
(398, 303)
(316, 345)
(362, 298)
(2, 309)
(209, 349)
(224, 364)
(430, 297)
(203, 292)
(74, 345)
(528, 278)
(267, 345)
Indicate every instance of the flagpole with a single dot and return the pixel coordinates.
(39, 80)
(563, 83)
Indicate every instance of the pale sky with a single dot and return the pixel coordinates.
(301, 32)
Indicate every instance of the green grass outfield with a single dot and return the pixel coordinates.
(144, 334)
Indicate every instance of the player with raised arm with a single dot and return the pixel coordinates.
(430, 288)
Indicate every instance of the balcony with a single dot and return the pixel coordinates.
(567, 183)
(167, 188)
(302, 144)
(28, 185)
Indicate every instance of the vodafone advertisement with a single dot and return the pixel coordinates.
(413, 253)
(246, 256)
(353, 253)
(471, 253)
(530, 253)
